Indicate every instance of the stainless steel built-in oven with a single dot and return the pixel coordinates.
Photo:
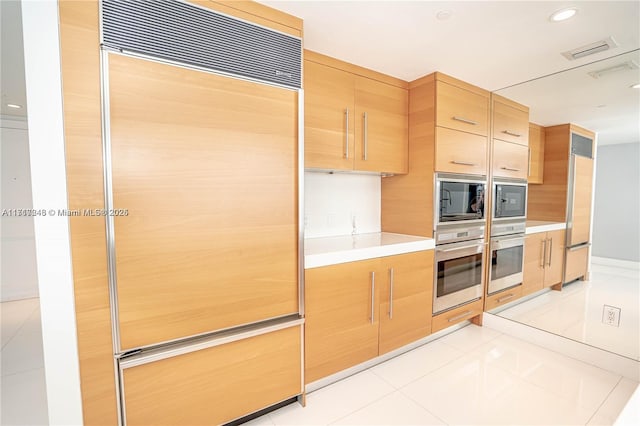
(509, 199)
(506, 262)
(459, 207)
(458, 274)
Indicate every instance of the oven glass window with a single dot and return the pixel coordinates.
(510, 200)
(507, 261)
(461, 201)
(458, 274)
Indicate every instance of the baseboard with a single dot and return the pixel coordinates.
(608, 261)
(606, 360)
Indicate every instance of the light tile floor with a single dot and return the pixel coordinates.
(576, 311)
(473, 376)
(23, 398)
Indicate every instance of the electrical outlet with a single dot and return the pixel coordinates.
(611, 315)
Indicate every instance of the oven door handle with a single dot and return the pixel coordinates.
(504, 243)
(460, 251)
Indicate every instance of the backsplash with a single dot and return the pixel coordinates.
(335, 202)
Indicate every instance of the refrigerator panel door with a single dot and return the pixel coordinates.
(580, 211)
(215, 385)
(205, 167)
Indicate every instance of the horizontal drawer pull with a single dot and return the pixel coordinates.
(512, 169)
(464, 163)
(464, 120)
(506, 132)
(507, 297)
(457, 317)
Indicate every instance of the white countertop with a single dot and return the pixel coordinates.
(535, 226)
(349, 248)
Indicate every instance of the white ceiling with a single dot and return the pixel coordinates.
(492, 44)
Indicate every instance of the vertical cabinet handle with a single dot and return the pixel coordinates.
(373, 294)
(529, 166)
(543, 257)
(346, 136)
(366, 137)
(391, 293)
(550, 250)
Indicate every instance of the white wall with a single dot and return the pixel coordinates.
(19, 279)
(616, 216)
(334, 201)
(49, 191)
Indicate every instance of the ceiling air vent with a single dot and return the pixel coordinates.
(590, 49)
(624, 66)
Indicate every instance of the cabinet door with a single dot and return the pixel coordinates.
(460, 152)
(510, 124)
(329, 119)
(555, 258)
(582, 193)
(535, 249)
(536, 153)
(510, 160)
(382, 127)
(461, 109)
(576, 263)
(207, 170)
(406, 299)
(215, 385)
(340, 330)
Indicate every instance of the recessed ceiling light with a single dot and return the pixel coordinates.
(636, 86)
(14, 106)
(443, 15)
(563, 14)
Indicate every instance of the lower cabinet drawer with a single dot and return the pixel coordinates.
(217, 384)
(454, 316)
(576, 263)
(503, 297)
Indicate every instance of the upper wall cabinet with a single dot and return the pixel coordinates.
(355, 119)
(536, 153)
(461, 109)
(462, 126)
(328, 122)
(510, 121)
(510, 147)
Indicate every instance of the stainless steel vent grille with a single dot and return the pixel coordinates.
(189, 34)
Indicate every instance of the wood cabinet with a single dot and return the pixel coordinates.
(341, 317)
(457, 315)
(355, 119)
(405, 299)
(510, 143)
(449, 122)
(510, 160)
(217, 384)
(536, 153)
(459, 152)
(329, 117)
(510, 120)
(543, 260)
(461, 109)
(492, 301)
(196, 201)
(355, 311)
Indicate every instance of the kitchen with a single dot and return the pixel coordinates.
(359, 224)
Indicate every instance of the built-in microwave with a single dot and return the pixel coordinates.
(509, 199)
(459, 212)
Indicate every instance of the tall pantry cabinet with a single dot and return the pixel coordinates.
(187, 296)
